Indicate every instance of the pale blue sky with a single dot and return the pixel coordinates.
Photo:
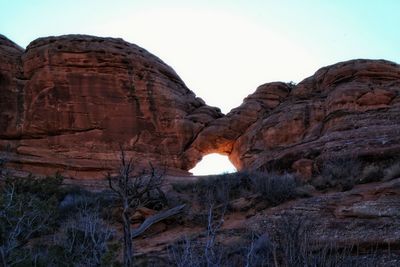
(223, 49)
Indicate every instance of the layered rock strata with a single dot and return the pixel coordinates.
(69, 102)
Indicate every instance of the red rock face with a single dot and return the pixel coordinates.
(349, 109)
(11, 88)
(84, 96)
(69, 102)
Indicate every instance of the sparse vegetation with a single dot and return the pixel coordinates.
(289, 243)
(272, 187)
(43, 223)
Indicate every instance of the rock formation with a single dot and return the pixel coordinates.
(349, 109)
(69, 102)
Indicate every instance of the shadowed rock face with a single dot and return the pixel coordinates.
(67, 104)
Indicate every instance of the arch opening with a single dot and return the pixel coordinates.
(213, 164)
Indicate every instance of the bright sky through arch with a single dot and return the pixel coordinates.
(223, 49)
(213, 164)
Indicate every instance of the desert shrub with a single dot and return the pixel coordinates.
(274, 188)
(339, 172)
(393, 171)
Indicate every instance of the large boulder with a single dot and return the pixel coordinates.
(83, 97)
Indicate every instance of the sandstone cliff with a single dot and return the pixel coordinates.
(69, 102)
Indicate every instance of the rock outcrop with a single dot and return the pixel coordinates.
(69, 102)
(349, 109)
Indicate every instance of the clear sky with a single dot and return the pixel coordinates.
(223, 49)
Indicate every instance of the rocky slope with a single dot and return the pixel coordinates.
(366, 218)
(69, 102)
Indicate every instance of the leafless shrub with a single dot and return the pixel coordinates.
(207, 252)
(185, 253)
(84, 238)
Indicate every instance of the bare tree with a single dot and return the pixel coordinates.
(133, 191)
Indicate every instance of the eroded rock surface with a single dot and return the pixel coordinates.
(68, 102)
(83, 96)
(349, 109)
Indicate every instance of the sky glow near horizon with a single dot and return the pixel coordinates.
(223, 50)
